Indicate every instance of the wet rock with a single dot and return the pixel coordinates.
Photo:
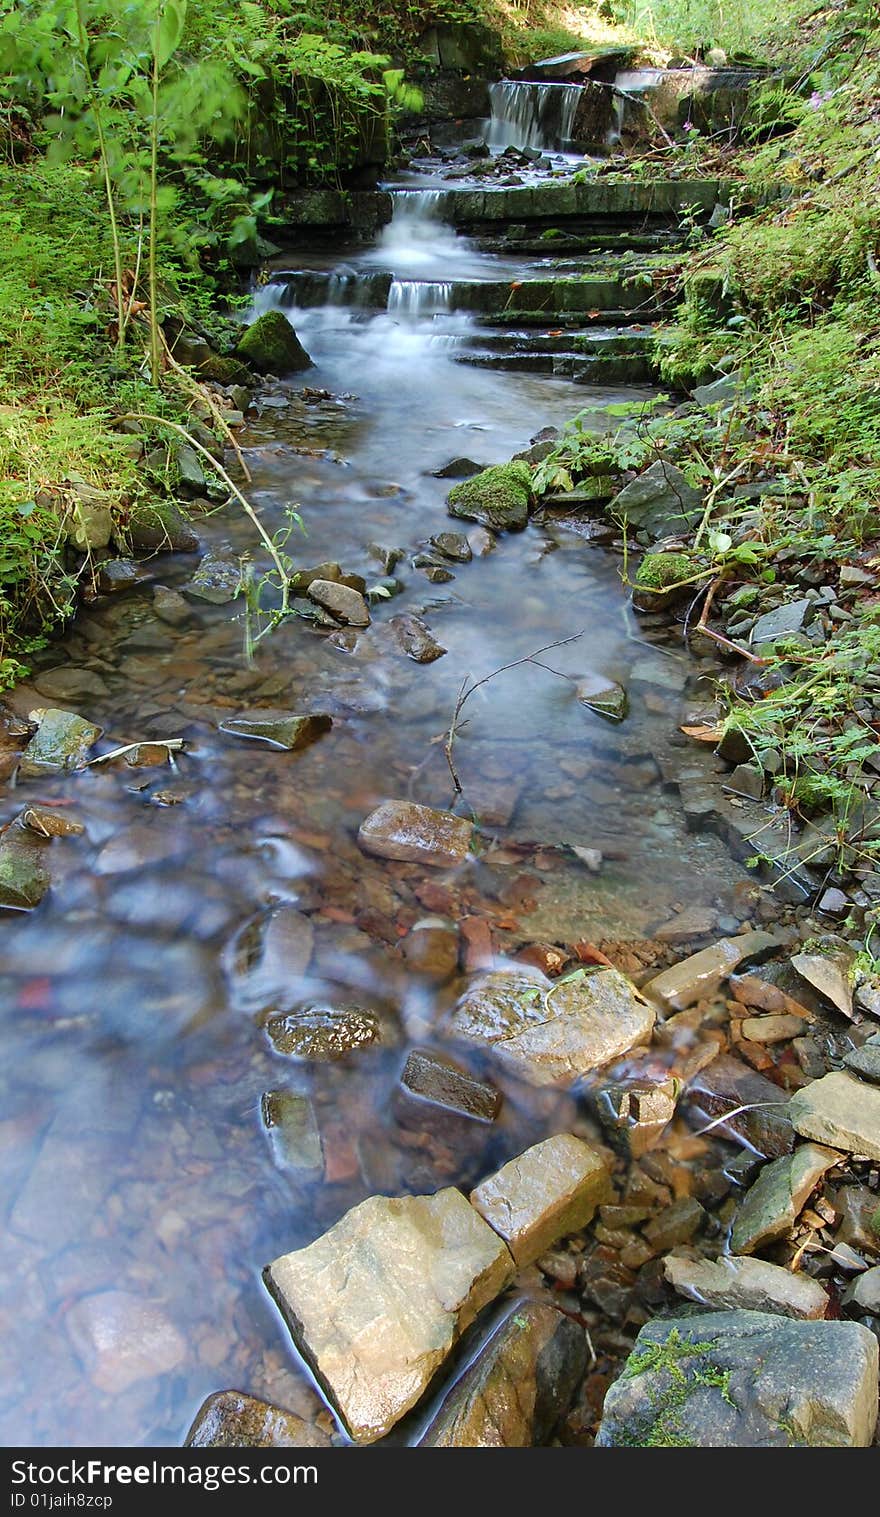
(457, 468)
(289, 1120)
(343, 603)
(829, 974)
(865, 1061)
(324, 1032)
(453, 545)
(329, 570)
(676, 1224)
(748, 779)
(636, 1113)
(271, 346)
(747, 1283)
(552, 1032)
(782, 622)
(387, 558)
(416, 834)
(437, 575)
(269, 957)
(24, 869)
(498, 497)
(376, 1303)
(660, 502)
(603, 696)
(696, 923)
(431, 950)
(834, 903)
(89, 519)
(170, 606)
(62, 741)
(745, 1379)
(755, 1110)
(233, 1420)
(289, 731)
(48, 824)
(771, 1206)
(122, 1339)
(69, 683)
(519, 1386)
(116, 574)
(545, 1194)
(839, 1110)
(700, 976)
(771, 1029)
(159, 527)
(415, 639)
(429, 1078)
(216, 580)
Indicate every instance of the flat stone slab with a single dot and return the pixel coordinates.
(755, 1110)
(545, 1194)
(416, 834)
(426, 1077)
(292, 1129)
(553, 1032)
(773, 1204)
(287, 730)
(841, 1110)
(701, 975)
(748, 1283)
(376, 1303)
(233, 1420)
(518, 1387)
(744, 1379)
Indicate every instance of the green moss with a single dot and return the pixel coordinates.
(678, 1362)
(498, 497)
(225, 371)
(271, 345)
(659, 571)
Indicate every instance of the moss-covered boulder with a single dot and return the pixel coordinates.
(659, 579)
(156, 526)
(225, 371)
(498, 497)
(271, 346)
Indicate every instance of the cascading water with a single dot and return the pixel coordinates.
(529, 115)
(416, 298)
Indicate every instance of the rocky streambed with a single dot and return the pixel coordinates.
(484, 1094)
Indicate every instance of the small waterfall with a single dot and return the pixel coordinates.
(413, 299)
(530, 115)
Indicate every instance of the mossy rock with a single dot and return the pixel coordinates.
(660, 571)
(271, 346)
(498, 498)
(156, 526)
(225, 371)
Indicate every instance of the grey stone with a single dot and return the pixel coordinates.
(676, 1224)
(376, 1303)
(755, 1110)
(289, 731)
(864, 1291)
(217, 579)
(553, 1032)
(660, 502)
(829, 974)
(62, 741)
(518, 1387)
(745, 1379)
(782, 622)
(839, 1110)
(751, 1284)
(748, 779)
(865, 1061)
(343, 603)
(189, 468)
(834, 903)
(543, 1195)
(116, 574)
(24, 869)
(720, 392)
(453, 545)
(772, 1205)
(234, 1420)
(416, 834)
(603, 696)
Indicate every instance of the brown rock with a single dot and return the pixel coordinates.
(122, 1339)
(546, 1193)
(698, 977)
(416, 834)
(758, 1109)
(427, 1077)
(234, 1420)
(346, 605)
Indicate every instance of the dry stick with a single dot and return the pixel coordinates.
(719, 636)
(467, 691)
(162, 421)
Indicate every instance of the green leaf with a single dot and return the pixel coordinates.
(170, 22)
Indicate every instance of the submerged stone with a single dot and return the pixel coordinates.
(518, 1387)
(415, 639)
(62, 741)
(429, 1078)
(603, 696)
(269, 957)
(748, 1283)
(543, 1195)
(554, 1032)
(24, 869)
(122, 1339)
(376, 1303)
(498, 497)
(453, 545)
(289, 731)
(416, 834)
(324, 1032)
(744, 1379)
(216, 580)
(771, 1206)
(234, 1420)
(289, 1120)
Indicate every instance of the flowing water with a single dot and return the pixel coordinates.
(531, 115)
(141, 1190)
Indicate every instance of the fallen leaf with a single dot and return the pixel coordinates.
(702, 733)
